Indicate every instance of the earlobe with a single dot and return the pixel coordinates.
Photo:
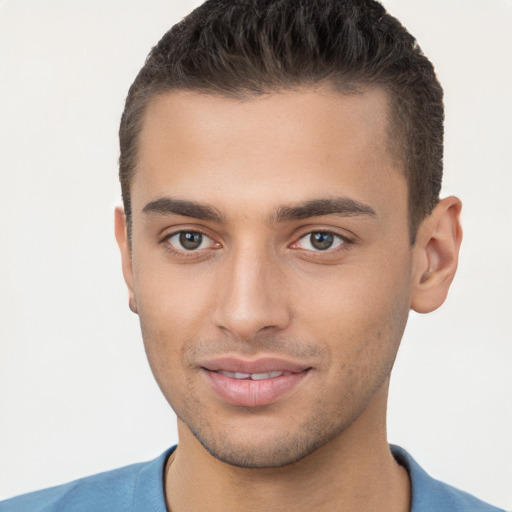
(436, 255)
(121, 233)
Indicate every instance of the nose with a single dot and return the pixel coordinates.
(252, 295)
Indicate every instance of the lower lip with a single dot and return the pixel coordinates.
(251, 393)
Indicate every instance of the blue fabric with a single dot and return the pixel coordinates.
(430, 495)
(139, 488)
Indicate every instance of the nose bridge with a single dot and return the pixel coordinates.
(250, 294)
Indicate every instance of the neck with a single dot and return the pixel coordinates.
(354, 472)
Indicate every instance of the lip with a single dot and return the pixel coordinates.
(252, 393)
(259, 365)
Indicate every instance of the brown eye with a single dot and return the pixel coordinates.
(320, 241)
(190, 241)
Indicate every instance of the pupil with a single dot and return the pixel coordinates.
(190, 241)
(321, 241)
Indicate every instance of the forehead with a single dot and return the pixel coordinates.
(288, 146)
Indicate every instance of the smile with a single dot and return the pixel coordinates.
(253, 376)
(252, 383)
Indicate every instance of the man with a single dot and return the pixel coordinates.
(281, 168)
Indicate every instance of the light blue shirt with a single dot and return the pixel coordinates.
(140, 488)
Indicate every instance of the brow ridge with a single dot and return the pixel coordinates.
(342, 206)
(170, 206)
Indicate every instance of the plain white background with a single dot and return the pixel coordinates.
(76, 393)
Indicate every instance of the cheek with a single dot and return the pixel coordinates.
(171, 298)
(361, 329)
(169, 323)
(359, 307)
(172, 312)
(353, 290)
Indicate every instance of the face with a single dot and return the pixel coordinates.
(270, 266)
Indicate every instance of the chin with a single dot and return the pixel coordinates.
(274, 455)
(266, 448)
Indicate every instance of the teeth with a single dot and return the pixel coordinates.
(251, 376)
(269, 375)
(235, 375)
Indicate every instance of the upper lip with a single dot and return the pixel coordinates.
(259, 365)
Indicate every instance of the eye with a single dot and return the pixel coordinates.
(190, 241)
(320, 241)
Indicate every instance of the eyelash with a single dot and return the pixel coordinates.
(183, 252)
(343, 245)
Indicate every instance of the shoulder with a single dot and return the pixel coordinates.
(112, 491)
(431, 495)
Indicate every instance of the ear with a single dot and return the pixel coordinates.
(436, 255)
(126, 254)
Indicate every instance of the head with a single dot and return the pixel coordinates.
(245, 49)
(280, 164)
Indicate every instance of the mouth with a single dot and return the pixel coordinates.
(253, 383)
(253, 376)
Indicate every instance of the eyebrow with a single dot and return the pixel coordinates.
(342, 206)
(169, 206)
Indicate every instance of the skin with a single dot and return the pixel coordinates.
(257, 287)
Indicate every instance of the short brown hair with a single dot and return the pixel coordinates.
(243, 48)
